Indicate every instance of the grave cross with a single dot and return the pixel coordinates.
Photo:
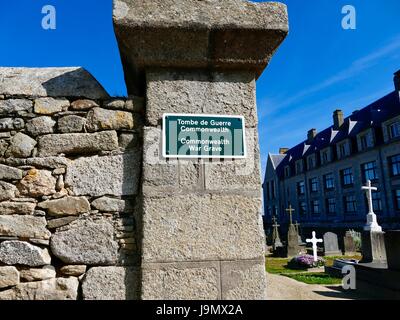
(297, 225)
(275, 234)
(314, 242)
(275, 224)
(290, 210)
(372, 221)
(368, 189)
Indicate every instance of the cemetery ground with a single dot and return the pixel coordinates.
(284, 283)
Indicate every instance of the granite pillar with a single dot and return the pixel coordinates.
(202, 234)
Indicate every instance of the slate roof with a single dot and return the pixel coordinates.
(372, 116)
(276, 159)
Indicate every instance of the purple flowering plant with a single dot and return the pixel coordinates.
(305, 261)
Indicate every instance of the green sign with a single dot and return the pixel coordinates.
(203, 136)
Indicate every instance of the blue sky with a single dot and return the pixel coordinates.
(320, 67)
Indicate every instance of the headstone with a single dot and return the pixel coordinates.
(293, 248)
(276, 241)
(373, 239)
(373, 247)
(349, 244)
(297, 225)
(392, 246)
(331, 244)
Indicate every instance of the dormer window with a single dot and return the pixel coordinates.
(343, 150)
(325, 156)
(310, 162)
(365, 141)
(299, 166)
(287, 172)
(394, 130)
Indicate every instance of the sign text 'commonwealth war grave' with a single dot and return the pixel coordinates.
(203, 136)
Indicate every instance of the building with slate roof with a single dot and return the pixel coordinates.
(322, 176)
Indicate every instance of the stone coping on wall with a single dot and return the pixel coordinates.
(209, 34)
(50, 82)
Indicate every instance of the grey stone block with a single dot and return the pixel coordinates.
(71, 124)
(107, 204)
(10, 173)
(23, 253)
(13, 106)
(77, 143)
(50, 106)
(111, 283)
(52, 289)
(162, 176)
(103, 119)
(8, 207)
(24, 227)
(201, 92)
(243, 280)
(7, 191)
(110, 175)
(48, 162)
(9, 277)
(86, 242)
(21, 146)
(9, 124)
(40, 125)
(201, 227)
(83, 104)
(45, 273)
(73, 270)
(53, 82)
(181, 281)
(236, 175)
(68, 206)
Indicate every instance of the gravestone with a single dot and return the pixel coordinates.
(392, 246)
(276, 240)
(373, 238)
(202, 236)
(293, 248)
(297, 225)
(349, 244)
(331, 244)
(277, 246)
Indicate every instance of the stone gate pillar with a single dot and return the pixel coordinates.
(201, 226)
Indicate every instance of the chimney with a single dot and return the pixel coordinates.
(311, 135)
(283, 150)
(397, 81)
(338, 119)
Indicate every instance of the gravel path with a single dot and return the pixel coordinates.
(284, 288)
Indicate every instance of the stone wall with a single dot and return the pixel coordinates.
(83, 217)
(69, 177)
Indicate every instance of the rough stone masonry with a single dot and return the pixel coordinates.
(88, 207)
(70, 163)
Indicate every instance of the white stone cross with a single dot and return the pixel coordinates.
(372, 222)
(314, 242)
